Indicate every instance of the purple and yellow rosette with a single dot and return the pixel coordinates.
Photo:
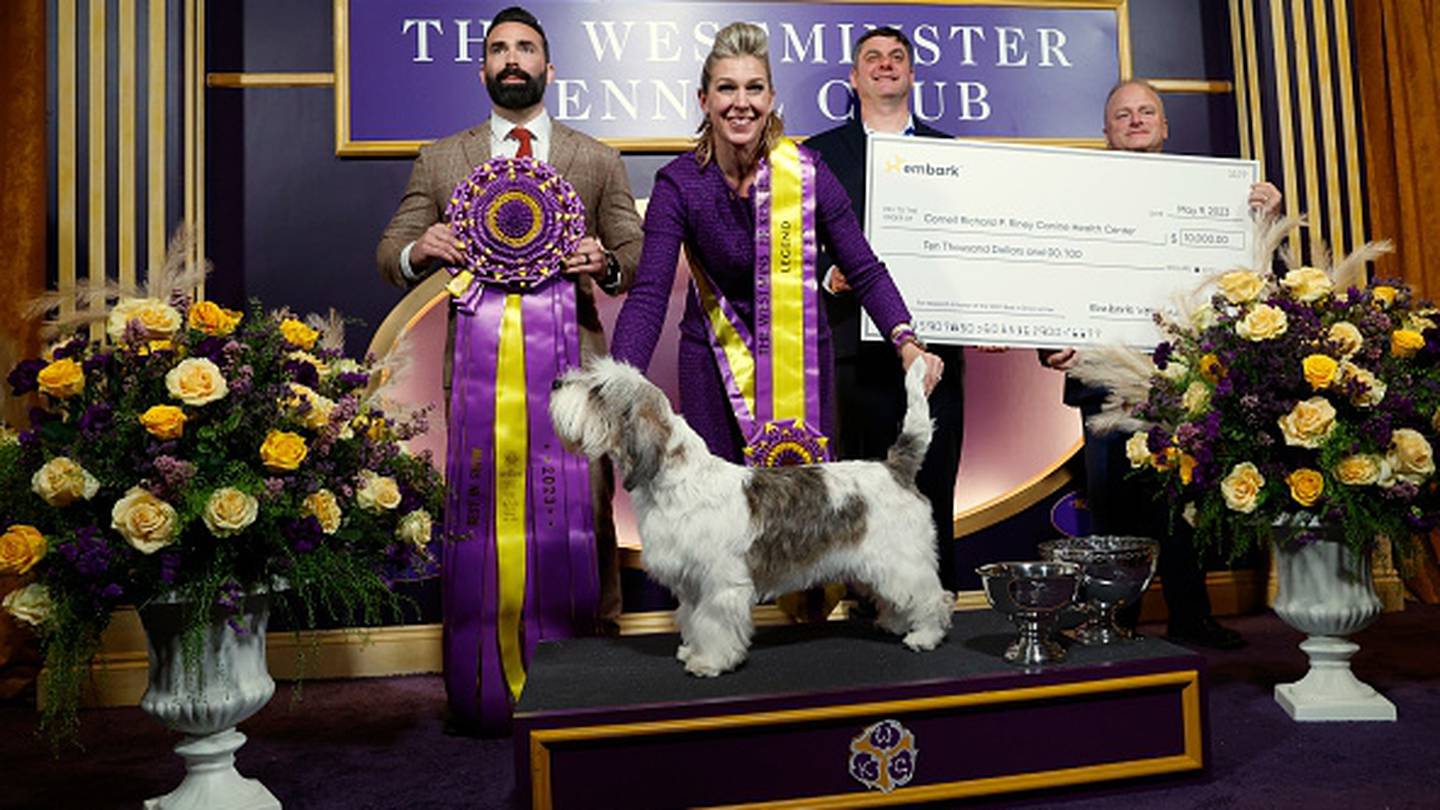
(524, 569)
(788, 443)
(517, 219)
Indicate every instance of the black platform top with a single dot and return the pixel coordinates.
(577, 674)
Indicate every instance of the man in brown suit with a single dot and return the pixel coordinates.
(418, 241)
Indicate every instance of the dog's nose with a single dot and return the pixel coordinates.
(556, 384)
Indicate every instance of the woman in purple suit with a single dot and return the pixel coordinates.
(750, 209)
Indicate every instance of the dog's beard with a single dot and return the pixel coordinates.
(515, 96)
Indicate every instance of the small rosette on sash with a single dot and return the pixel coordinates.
(787, 443)
(516, 219)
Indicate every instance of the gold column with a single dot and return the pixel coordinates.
(125, 152)
(95, 144)
(155, 129)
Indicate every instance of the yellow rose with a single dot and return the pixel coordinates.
(30, 604)
(1203, 317)
(229, 511)
(1211, 368)
(414, 528)
(1196, 398)
(62, 379)
(146, 522)
(1346, 337)
(322, 506)
(196, 381)
(297, 333)
(1309, 423)
(309, 408)
(157, 319)
(1383, 294)
(1320, 370)
(1137, 449)
(1241, 488)
(1240, 286)
(377, 493)
(1406, 342)
(1307, 284)
(1306, 485)
(1373, 388)
(1264, 322)
(21, 546)
(1410, 457)
(1359, 470)
(61, 482)
(213, 319)
(283, 450)
(164, 421)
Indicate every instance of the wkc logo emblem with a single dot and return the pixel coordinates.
(883, 756)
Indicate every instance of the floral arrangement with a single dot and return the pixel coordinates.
(1306, 399)
(199, 453)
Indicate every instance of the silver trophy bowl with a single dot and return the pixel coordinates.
(1031, 594)
(1114, 572)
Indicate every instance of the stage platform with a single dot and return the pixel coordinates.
(618, 722)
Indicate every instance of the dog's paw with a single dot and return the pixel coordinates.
(925, 638)
(683, 653)
(703, 667)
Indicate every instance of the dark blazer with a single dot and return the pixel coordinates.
(843, 150)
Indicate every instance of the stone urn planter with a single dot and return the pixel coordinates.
(1326, 591)
(203, 693)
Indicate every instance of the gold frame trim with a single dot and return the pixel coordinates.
(1237, 61)
(1335, 225)
(1252, 73)
(345, 146)
(126, 144)
(1306, 97)
(1192, 757)
(1006, 505)
(1192, 85)
(1347, 112)
(95, 183)
(67, 149)
(245, 80)
(155, 134)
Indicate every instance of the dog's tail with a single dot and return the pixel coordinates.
(908, 452)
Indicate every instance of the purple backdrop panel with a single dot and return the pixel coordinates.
(628, 71)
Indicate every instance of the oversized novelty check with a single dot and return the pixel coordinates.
(1008, 245)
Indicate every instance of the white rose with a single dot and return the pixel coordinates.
(1374, 387)
(1242, 487)
(1175, 371)
(1263, 322)
(230, 511)
(1240, 286)
(1410, 457)
(377, 493)
(414, 528)
(1346, 337)
(62, 482)
(1307, 284)
(158, 319)
(145, 521)
(196, 381)
(1309, 423)
(30, 604)
(1137, 449)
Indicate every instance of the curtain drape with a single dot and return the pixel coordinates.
(1399, 73)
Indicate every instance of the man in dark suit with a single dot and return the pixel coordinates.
(869, 382)
(418, 241)
(1135, 122)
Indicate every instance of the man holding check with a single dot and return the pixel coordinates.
(1135, 122)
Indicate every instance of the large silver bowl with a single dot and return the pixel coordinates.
(1114, 572)
(1031, 594)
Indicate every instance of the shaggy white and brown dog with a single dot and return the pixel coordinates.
(722, 537)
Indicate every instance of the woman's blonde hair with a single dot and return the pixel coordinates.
(735, 40)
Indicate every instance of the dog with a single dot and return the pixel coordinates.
(723, 537)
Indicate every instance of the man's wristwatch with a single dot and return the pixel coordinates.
(610, 282)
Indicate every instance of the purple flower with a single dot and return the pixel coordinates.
(98, 363)
(303, 372)
(22, 378)
(1161, 355)
(211, 347)
(304, 534)
(96, 421)
(169, 568)
(354, 379)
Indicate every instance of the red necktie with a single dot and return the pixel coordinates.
(522, 135)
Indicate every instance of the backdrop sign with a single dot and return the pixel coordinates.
(407, 71)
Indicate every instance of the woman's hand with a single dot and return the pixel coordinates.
(934, 366)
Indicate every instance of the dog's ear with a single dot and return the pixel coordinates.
(642, 447)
